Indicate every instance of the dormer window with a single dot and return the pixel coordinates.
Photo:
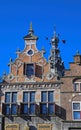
(32, 69)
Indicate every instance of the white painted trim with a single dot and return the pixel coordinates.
(75, 110)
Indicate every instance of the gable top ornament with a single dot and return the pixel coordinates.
(30, 35)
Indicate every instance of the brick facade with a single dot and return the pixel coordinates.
(31, 72)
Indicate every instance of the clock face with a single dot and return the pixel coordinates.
(30, 52)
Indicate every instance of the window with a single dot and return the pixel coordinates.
(50, 96)
(47, 102)
(28, 105)
(7, 107)
(32, 70)
(14, 97)
(7, 97)
(76, 108)
(30, 52)
(11, 103)
(32, 96)
(10, 97)
(25, 109)
(50, 108)
(25, 97)
(44, 108)
(77, 86)
(13, 109)
(43, 96)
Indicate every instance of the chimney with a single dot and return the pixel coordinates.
(77, 58)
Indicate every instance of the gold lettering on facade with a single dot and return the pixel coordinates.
(12, 127)
(44, 126)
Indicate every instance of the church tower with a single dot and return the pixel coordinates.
(56, 63)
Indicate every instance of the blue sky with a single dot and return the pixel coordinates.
(16, 15)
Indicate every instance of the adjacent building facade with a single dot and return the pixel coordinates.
(38, 94)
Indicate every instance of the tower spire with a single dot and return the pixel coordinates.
(30, 35)
(31, 28)
(54, 31)
(56, 63)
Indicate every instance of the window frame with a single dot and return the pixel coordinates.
(37, 71)
(77, 88)
(11, 102)
(29, 102)
(47, 96)
(47, 102)
(11, 96)
(76, 110)
(28, 75)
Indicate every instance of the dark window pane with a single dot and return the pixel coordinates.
(32, 108)
(44, 108)
(25, 97)
(7, 97)
(32, 96)
(50, 96)
(30, 70)
(25, 109)
(76, 106)
(7, 109)
(30, 52)
(14, 97)
(14, 109)
(76, 114)
(50, 108)
(44, 96)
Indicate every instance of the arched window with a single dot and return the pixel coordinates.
(77, 84)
